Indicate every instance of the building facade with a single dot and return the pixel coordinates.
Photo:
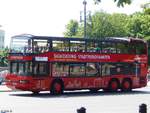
(2, 36)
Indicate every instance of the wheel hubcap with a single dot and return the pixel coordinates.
(114, 85)
(126, 85)
(57, 87)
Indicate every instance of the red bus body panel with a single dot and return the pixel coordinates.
(72, 83)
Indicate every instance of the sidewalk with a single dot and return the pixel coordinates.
(148, 84)
(4, 88)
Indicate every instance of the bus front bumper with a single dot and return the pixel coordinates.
(23, 85)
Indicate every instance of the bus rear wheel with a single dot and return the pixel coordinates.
(113, 85)
(126, 85)
(57, 88)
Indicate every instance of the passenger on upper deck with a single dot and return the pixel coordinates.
(28, 48)
(35, 47)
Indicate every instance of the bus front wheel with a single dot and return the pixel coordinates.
(56, 88)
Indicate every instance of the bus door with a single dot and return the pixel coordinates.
(41, 73)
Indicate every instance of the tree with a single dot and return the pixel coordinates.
(108, 25)
(139, 25)
(119, 2)
(101, 27)
(71, 28)
(146, 8)
(3, 57)
(134, 25)
(119, 24)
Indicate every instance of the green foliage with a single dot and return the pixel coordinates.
(134, 25)
(139, 25)
(147, 11)
(122, 2)
(119, 23)
(107, 25)
(71, 28)
(119, 2)
(102, 25)
(3, 57)
(146, 8)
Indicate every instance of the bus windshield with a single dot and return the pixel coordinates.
(21, 68)
(20, 44)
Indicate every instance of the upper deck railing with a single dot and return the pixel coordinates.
(42, 44)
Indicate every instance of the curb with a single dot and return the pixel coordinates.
(4, 88)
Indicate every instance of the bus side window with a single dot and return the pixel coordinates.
(21, 69)
(28, 67)
(55, 45)
(40, 68)
(106, 69)
(60, 69)
(122, 48)
(28, 48)
(14, 68)
(59, 45)
(77, 46)
(35, 47)
(65, 46)
(132, 49)
(93, 47)
(92, 69)
(140, 48)
(108, 47)
(81, 46)
(46, 48)
(77, 69)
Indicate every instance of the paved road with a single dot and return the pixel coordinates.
(101, 102)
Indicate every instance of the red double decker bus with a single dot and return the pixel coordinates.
(57, 64)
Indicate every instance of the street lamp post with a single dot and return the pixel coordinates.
(84, 3)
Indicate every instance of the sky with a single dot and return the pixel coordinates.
(49, 17)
